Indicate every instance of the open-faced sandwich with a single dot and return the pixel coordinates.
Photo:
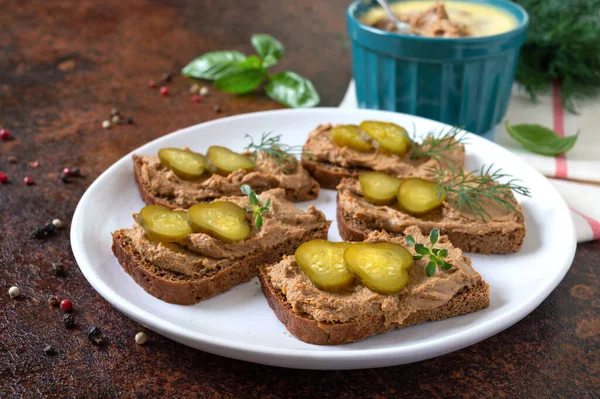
(332, 153)
(184, 257)
(478, 213)
(335, 293)
(180, 178)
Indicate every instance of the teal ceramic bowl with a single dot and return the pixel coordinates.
(464, 82)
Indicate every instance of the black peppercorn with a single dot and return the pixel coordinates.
(43, 231)
(167, 77)
(49, 350)
(129, 121)
(76, 172)
(64, 177)
(94, 335)
(58, 269)
(68, 320)
(53, 301)
(218, 109)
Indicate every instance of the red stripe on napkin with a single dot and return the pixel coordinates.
(558, 113)
(594, 224)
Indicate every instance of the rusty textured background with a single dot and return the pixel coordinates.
(63, 65)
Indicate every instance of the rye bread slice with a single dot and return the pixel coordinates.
(329, 175)
(304, 193)
(311, 331)
(180, 289)
(495, 241)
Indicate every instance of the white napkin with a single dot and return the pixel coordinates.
(576, 174)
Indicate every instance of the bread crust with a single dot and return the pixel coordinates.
(184, 290)
(497, 242)
(305, 193)
(314, 332)
(328, 176)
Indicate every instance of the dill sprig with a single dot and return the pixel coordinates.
(271, 146)
(436, 145)
(469, 190)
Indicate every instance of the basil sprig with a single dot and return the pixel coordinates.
(233, 72)
(435, 255)
(540, 140)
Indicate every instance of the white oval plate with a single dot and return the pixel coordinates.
(240, 324)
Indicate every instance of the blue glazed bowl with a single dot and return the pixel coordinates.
(464, 82)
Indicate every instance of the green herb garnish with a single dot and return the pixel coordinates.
(539, 139)
(435, 255)
(255, 207)
(233, 72)
(436, 145)
(468, 191)
(272, 146)
(562, 47)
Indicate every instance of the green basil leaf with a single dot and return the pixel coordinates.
(291, 89)
(213, 65)
(258, 221)
(269, 48)
(442, 253)
(434, 236)
(410, 240)
(430, 269)
(250, 62)
(421, 249)
(446, 265)
(417, 257)
(246, 189)
(241, 81)
(539, 139)
(253, 198)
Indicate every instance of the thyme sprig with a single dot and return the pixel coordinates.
(436, 145)
(272, 146)
(255, 206)
(435, 255)
(469, 190)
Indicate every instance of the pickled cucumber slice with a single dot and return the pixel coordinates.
(381, 267)
(220, 219)
(226, 161)
(186, 165)
(349, 136)
(418, 196)
(162, 224)
(389, 136)
(379, 188)
(323, 263)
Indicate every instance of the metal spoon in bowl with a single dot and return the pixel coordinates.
(402, 27)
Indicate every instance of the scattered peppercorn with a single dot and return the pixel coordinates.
(164, 91)
(106, 124)
(141, 338)
(64, 178)
(196, 99)
(218, 109)
(76, 172)
(194, 88)
(4, 134)
(114, 111)
(129, 121)
(167, 77)
(53, 301)
(116, 119)
(152, 84)
(28, 181)
(49, 350)
(33, 164)
(66, 305)
(94, 335)
(203, 91)
(68, 320)
(58, 269)
(57, 223)
(12, 159)
(44, 231)
(14, 291)
(66, 171)
(3, 178)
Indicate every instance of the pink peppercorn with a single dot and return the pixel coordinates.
(66, 305)
(4, 134)
(197, 99)
(164, 91)
(3, 178)
(28, 180)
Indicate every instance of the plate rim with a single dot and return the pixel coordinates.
(273, 355)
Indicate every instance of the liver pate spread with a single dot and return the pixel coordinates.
(160, 181)
(321, 148)
(200, 253)
(447, 218)
(433, 22)
(421, 292)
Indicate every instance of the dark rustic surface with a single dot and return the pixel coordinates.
(63, 65)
